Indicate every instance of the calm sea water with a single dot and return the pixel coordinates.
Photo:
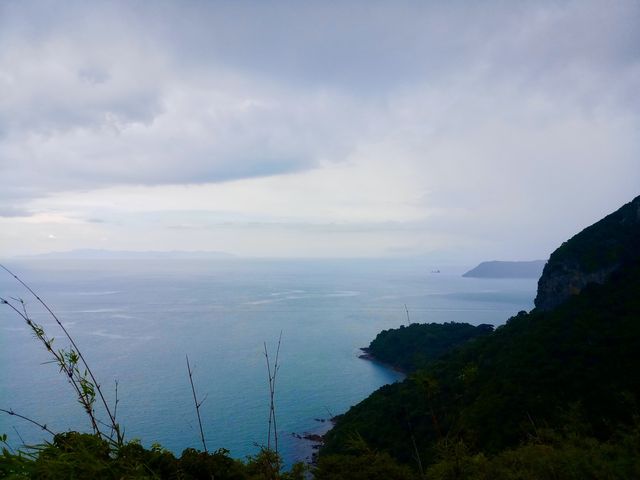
(136, 321)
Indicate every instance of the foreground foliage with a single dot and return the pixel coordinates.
(547, 454)
(569, 454)
(82, 455)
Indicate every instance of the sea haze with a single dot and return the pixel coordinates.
(135, 320)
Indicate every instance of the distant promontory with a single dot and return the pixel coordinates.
(499, 269)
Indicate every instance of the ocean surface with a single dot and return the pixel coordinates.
(136, 320)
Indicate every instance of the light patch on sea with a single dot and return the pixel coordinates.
(108, 292)
(299, 295)
(136, 320)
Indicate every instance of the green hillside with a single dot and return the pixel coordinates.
(573, 371)
(613, 240)
(411, 347)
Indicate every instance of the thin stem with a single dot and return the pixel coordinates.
(19, 436)
(273, 391)
(418, 459)
(197, 404)
(30, 420)
(266, 355)
(115, 410)
(73, 343)
(415, 446)
(59, 359)
(115, 407)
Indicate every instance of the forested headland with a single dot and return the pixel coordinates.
(553, 393)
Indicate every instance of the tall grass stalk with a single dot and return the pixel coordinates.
(197, 404)
(71, 362)
(43, 426)
(272, 373)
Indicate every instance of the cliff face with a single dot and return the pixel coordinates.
(591, 256)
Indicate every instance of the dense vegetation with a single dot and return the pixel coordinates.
(614, 240)
(412, 347)
(573, 371)
(546, 454)
(74, 455)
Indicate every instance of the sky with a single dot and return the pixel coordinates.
(454, 131)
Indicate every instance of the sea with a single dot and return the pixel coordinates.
(136, 320)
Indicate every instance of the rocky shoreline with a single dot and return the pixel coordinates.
(316, 440)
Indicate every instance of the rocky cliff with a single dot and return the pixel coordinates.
(591, 256)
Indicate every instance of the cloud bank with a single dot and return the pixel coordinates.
(492, 129)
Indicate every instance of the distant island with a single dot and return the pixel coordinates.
(499, 269)
(97, 254)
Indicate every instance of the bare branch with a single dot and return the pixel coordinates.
(30, 420)
(84, 389)
(272, 373)
(197, 404)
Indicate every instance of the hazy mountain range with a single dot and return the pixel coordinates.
(86, 254)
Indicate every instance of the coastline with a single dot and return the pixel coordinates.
(367, 355)
(312, 441)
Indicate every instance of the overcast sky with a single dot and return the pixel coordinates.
(450, 130)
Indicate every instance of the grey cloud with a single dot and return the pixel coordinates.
(53, 88)
(357, 45)
(99, 94)
(93, 76)
(369, 47)
(10, 211)
(16, 193)
(179, 147)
